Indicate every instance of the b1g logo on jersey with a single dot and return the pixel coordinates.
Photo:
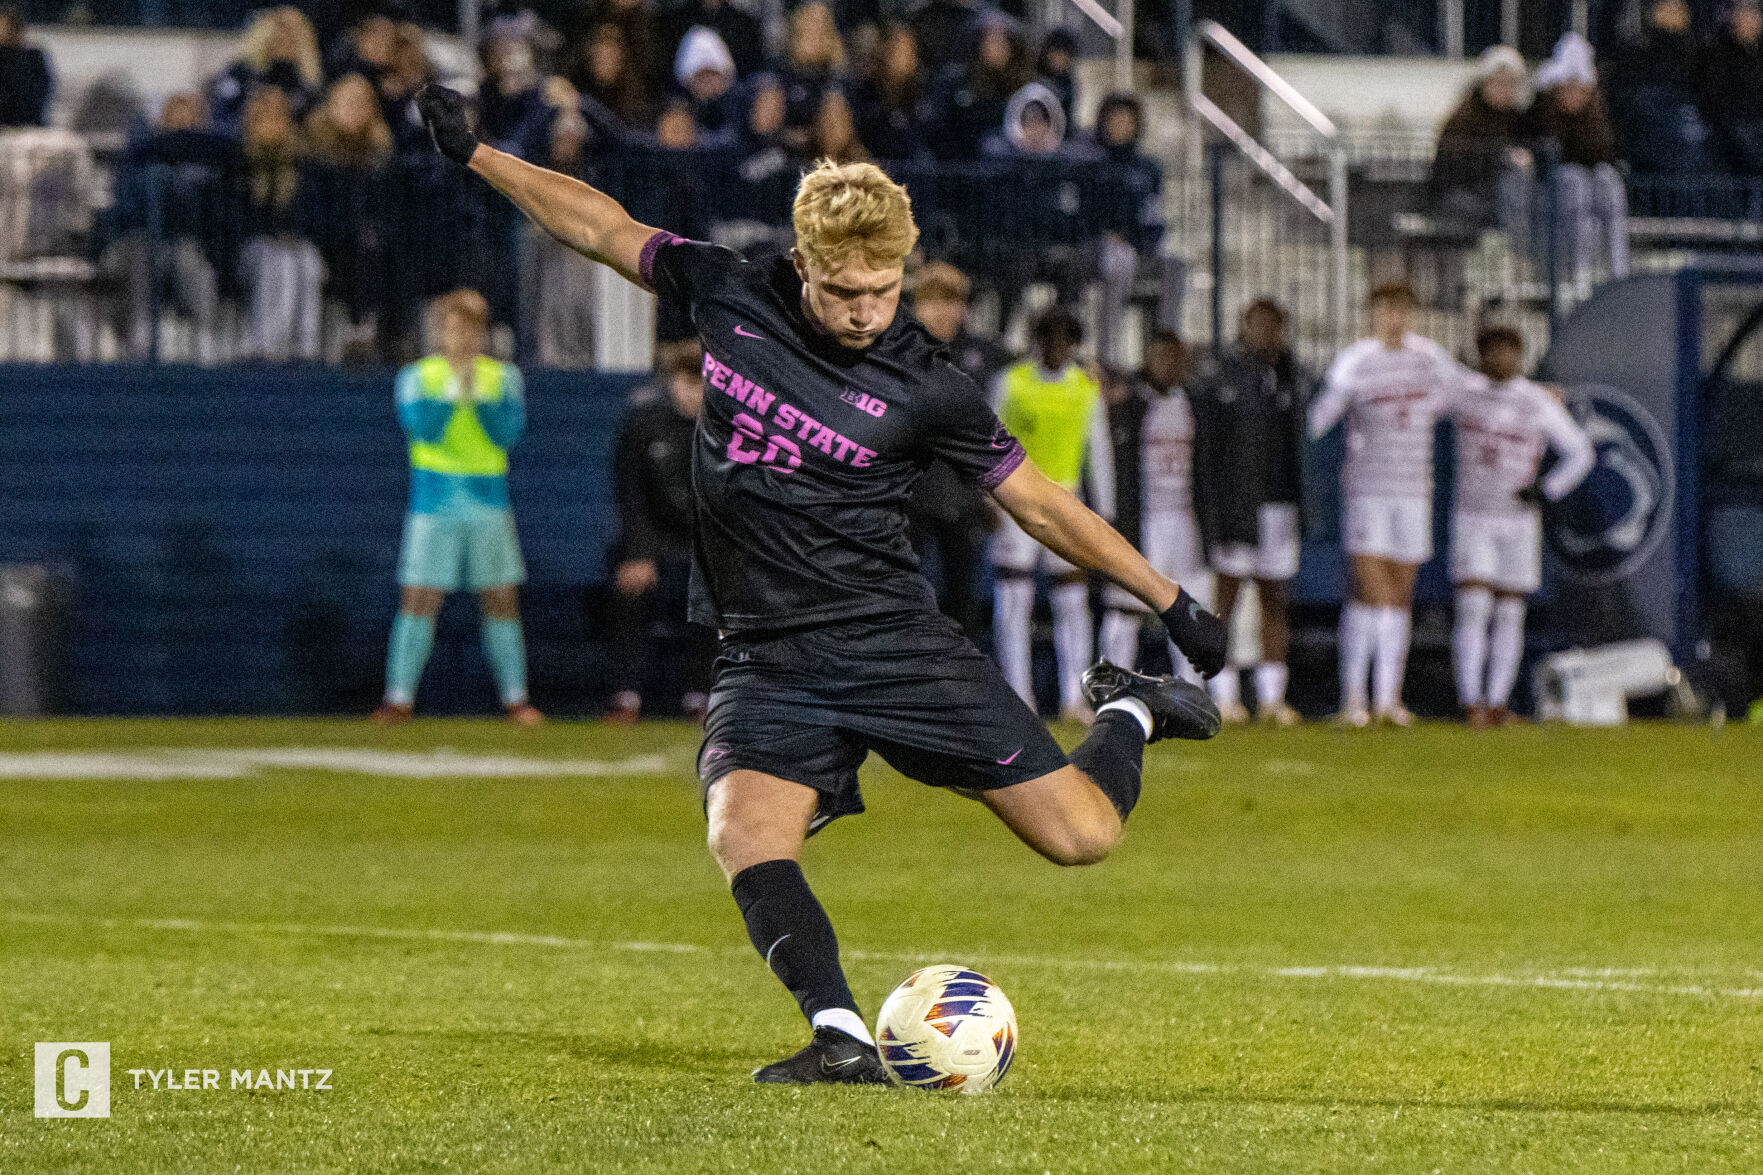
(865, 402)
(1618, 516)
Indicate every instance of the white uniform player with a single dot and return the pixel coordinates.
(1169, 534)
(1390, 389)
(1504, 425)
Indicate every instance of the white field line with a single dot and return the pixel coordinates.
(243, 763)
(1571, 979)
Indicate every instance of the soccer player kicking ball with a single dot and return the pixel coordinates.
(821, 410)
(462, 410)
(1504, 422)
(1391, 388)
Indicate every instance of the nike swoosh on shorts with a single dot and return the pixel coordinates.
(747, 334)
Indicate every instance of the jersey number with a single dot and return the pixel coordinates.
(749, 429)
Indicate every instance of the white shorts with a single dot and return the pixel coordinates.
(1398, 529)
(1013, 550)
(1504, 551)
(1170, 543)
(1273, 555)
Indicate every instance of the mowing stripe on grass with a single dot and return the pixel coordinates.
(1573, 979)
(168, 763)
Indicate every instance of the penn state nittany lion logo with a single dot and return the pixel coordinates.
(1617, 517)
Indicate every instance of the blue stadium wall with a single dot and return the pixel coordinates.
(227, 538)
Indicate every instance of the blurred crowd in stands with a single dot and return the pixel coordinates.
(1669, 99)
(304, 166)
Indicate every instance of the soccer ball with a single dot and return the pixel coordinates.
(947, 1028)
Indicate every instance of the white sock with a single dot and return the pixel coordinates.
(1392, 658)
(1132, 706)
(1469, 643)
(1226, 687)
(1358, 635)
(845, 1020)
(1013, 599)
(1506, 649)
(1072, 640)
(1270, 684)
(1120, 637)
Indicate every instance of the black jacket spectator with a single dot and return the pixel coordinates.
(1248, 424)
(652, 480)
(814, 62)
(768, 172)
(971, 103)
(1583, 136)
(25, 82)
(890, 104)
(604, 69)
(1128, 197)
(1126, 432)
(944, 30)
(1479, 140)
(1732, 89)
(1652, 84)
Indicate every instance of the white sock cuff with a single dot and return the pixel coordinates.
(1132, 706)
(845, 1020)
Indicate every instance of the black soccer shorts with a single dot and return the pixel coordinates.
(809, 704)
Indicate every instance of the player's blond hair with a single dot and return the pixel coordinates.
(852, 209)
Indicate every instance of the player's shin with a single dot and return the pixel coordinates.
(1071, 642)
(790, 930)
(1506, 649)
(1013, 603)
(1358, 636)
(1113, 756)
(1391, 663)
(505, 650)
(1120, 637)
(1469, 643)
(407, 653)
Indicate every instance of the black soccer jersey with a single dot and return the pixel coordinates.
(806, 450)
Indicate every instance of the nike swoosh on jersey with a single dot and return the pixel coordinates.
(747, 334)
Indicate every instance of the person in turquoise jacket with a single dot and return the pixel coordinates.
(462, 411)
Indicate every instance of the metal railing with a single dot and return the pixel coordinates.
(1330, 212)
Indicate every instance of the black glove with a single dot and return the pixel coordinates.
(1196, 632)
(444, 113)
(1532, 495)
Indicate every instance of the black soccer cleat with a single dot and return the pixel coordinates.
(1179, 709)
(833, 1057)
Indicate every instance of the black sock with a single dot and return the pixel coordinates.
(793, 934)
(1113, 756)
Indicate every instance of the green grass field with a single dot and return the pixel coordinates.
(1407, 951)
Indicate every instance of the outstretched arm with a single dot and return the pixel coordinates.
(1053, 516)
(582, 217)
(587, 220)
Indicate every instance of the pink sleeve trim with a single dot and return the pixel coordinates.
(646, 259)
(994, 477)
